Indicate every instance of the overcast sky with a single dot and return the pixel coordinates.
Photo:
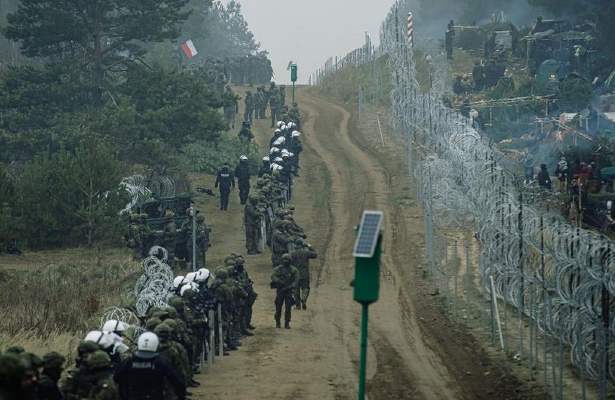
(310, 31)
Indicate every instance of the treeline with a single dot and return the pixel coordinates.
(97, 98)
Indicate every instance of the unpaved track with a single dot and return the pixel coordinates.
(414, 353)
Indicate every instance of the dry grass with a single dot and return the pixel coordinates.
(49, 299)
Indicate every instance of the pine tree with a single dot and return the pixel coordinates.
(102, 35)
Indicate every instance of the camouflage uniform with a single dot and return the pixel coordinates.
(279, 246)
(258, 103)
(252, 222)
(180, 348)
(300, 259)
(169, 350)
(52, 371)
(284, 280)
(249, 110)
(247, 293)
(94, 380)
(12, 372)
(274, 105)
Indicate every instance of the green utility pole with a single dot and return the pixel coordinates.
(293, 78)
(366, 282)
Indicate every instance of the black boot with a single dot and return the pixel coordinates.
(277, 323)
(287, 325)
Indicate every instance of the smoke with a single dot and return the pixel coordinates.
(432, 16)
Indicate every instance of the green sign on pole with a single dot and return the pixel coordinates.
(293, 78)
(367, 251)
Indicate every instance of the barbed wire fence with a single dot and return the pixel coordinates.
(547, 286)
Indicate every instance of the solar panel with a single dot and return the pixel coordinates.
(365, 245)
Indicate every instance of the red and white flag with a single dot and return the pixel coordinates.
(189, 49)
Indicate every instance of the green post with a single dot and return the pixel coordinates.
(366, 282)
(363, 359)
(293, 78)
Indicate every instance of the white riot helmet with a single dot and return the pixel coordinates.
(280, 141)
(103, 339)
(296, 134)
(280, 123)
(190, 276)
(291, 125)
(276, 167)
(266, 158)
(243, 158)
(279, 159)
(115, 326)
(277, 131)
(202, 275)
(147, 345)
(179, 281)
(188, 286)
(274, 150)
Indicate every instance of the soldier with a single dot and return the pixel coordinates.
(258, 102)
(231, 107)
(249, 104)
(279, 244)
(449, 37)
(296, 148)
(180, 348)
(265, 167)
(240, 275)
(300, 259)
(225, 181)
(478, 74)
(264, 102)
(30, 376)
(282, 95)
(146, 375)
(295, 115)
(284, 279)
(202, 241)
(94, 379)
(133, 237)
(252, 222)
(52, 371)
(12, 373)
(223, 291)
(169, 235)
(245, 133)
(274, 104)
(242, 173)
(169, 351)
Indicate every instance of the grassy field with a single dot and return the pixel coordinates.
(49, 299)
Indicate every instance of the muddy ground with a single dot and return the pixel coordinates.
(415, 352)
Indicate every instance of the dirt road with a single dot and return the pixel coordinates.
(414, 353)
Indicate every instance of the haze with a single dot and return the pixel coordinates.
(308, 32)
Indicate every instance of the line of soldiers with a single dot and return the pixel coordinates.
(270, 220)
(159, 365)
(256, 103)
(171, 228)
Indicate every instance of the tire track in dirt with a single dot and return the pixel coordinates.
(406, 365)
